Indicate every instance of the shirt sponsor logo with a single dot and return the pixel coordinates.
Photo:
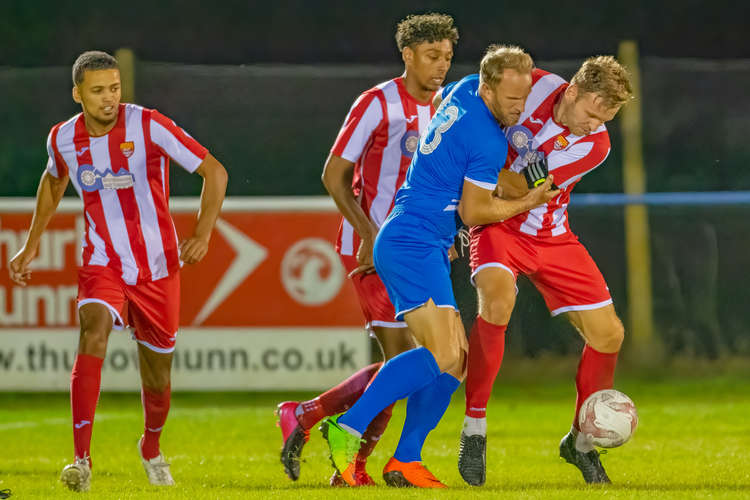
(90, 180)
(127, 148)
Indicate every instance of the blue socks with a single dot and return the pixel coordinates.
(399, 377)
(424, 410)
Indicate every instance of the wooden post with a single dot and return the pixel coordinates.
(637, 243)
(126, 60)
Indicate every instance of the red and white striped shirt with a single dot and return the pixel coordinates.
(569, 156)
(123, 179)
(379, 135)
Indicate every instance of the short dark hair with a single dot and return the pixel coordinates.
(92, 60)
(419, 28)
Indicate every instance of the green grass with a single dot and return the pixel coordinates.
(693, 442)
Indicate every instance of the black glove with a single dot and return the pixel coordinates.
(536, 171)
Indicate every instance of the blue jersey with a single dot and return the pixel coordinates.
(463, 142)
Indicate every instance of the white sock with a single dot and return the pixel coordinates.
(583, 443)
(475, 426)
(350, 430)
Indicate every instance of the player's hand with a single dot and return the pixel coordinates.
(536, 172)
(193, 249)
(364, 257)
(18, 267)
(544, 192)
(452, 253)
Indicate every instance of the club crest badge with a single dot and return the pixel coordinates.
(409, 143)
(561, 143)
(127, 148)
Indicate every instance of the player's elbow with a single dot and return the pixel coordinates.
(470, 215)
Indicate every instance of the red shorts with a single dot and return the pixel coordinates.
(152, 309)
(373, 297)
(560, 267)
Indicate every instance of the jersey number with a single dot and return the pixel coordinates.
(428, 147)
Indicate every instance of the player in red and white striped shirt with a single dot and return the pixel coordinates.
(117, 157)
(564, 124)
(366, 166)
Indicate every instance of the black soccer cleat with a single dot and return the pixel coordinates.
(472, 459)
(293, 438)
(588, 463)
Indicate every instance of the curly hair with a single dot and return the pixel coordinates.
(501, 57)
(92, 60)
(419, 28)
(606, 77)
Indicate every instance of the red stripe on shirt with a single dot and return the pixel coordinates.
(160, 192)
(351, 123)
(128, 202)
(191, 144)
(92, 202)
(59, 160)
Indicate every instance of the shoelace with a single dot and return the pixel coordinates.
(6, 493)
(464, 240)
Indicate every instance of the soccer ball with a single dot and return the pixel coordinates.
(608, 418)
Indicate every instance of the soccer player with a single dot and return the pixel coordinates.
(365, 168)
(454, 172)
(117, 157)
(562, 127)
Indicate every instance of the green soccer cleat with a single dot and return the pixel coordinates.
(343, 447)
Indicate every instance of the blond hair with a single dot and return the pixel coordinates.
(501, 57)
(605, 77)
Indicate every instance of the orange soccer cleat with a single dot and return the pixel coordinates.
(409, 474)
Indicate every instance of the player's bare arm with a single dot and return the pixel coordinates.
(337, 179)
(479, 206)
(512, 185)
(215, 178)
(48, 195)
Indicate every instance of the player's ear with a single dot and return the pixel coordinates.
(572, 91)
(407, 55)
(76, 94)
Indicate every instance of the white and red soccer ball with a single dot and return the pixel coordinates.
(608, 417)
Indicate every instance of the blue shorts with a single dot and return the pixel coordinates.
(413, 263)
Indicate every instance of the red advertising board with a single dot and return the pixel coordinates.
(271, 263)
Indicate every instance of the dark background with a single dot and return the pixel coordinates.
(53, 32)
(265, 86)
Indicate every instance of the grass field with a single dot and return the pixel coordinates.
(693, 442)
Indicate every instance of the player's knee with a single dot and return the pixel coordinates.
(496, 304)
(496, 312)
(610, 339)
(93, 341)
(446, 357)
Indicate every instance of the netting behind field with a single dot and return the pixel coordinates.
(700, 293)
(272, 126)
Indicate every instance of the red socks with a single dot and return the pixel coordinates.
(336, 400)
(84, 394)
(155, 410)
(596, 371)
(373, 433)
(486, 347)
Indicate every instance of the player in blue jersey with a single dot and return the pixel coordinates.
(453, 173)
